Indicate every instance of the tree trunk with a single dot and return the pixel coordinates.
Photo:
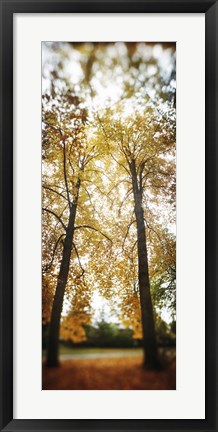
(53, 338)
(148, 327)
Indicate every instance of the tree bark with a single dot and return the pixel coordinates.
(148, 326)
(53, 338)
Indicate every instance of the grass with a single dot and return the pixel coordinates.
(63, 349)
(83, 350)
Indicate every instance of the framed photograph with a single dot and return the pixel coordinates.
(108, 215)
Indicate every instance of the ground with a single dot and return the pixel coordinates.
(113, 371)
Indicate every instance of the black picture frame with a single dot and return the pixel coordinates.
(7, 9)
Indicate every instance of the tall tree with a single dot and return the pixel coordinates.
(142, 148)
(63, 145)
(66, 154)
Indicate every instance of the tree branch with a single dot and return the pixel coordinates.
(124, 199)
(154, 231)
(57, 217)
(127, 232)
(64, 152)
(94, 229)
(58, 129)
(77, 254)
(53, 190)
(98, 188)
(48, 266)
(65, 173)
(90, 199)
(119, 163)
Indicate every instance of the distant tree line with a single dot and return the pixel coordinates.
(110, 335)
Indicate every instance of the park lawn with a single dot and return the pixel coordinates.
(108, 374)
(83, 350)
(63, 349)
